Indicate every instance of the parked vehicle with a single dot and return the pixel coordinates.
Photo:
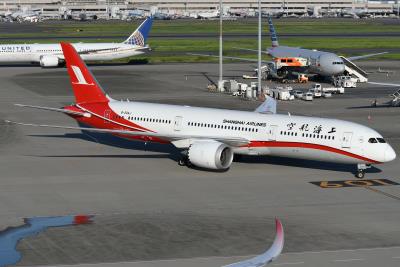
(298, 94)
(281, 93)
(333, 90)
(309, 96)
(316, 92)
(345, 81)
(327, 95)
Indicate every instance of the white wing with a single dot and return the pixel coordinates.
(268, 106)
(232, 141)
(270, 255)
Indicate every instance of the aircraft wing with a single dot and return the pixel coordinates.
(365, 56)
(232, 141)
(270, 255)
(385, 84)
(251, 50)
(85, 114)
(234, 58)
(269, 106)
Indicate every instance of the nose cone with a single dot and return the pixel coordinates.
(331, 64)
(340, 68)
(390, 154)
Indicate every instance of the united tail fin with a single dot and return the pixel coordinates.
(272, 31)
(84, 85)
(139, 36)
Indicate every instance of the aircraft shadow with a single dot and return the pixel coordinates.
(167, 150)
(172, 153)
(308, 164)
(370, 107)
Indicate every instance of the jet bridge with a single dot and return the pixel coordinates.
(353, 70)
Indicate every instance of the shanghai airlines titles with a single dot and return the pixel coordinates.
(210, 137)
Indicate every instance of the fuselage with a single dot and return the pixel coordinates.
(269, 134)
(88, 51)
(319, 62)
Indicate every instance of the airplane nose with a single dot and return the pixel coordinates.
(342, 69)
(390, 154)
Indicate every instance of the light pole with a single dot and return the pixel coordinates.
(220, 86)
(259, 91)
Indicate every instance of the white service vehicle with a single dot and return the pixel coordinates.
(345, 81)
(317, 93)
(333, 90)
(281, 93)
(207, 137)
(298, 94)
(308, 96)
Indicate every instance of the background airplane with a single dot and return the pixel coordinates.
(209, 138)
(50, 55)
(287, 60)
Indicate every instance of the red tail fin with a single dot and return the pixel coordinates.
(86, 88)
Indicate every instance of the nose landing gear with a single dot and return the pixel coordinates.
(361, 170)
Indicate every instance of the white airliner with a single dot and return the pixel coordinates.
(209, 137)
(50, 55)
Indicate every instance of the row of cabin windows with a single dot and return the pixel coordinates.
(328, 137)
(58, 50)
(226, 127)
(51, 50)
(150, 120)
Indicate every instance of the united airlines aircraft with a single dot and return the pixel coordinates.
(209, 137)
(50, 55)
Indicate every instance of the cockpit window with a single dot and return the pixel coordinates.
(337, 63)
(381, 140)
(372, 140)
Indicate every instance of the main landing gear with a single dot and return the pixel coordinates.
(361, 170)
(184, 159)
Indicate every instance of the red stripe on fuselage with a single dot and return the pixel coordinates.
(118, 123)
(281, 144)
(104, 111)
(111, 121)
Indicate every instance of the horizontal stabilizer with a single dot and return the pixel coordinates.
(84, 114)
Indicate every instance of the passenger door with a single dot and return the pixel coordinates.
(272, 132)
(346, 139)
(107, 116)
(178, 123)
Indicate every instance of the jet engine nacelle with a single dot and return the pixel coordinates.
(49, 61)
(210, 155)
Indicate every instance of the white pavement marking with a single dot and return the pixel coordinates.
(341, 250)
(347, 260)
(288, 263)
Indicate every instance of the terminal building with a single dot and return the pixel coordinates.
(102, 7)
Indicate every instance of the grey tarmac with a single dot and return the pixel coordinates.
(147, 208)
